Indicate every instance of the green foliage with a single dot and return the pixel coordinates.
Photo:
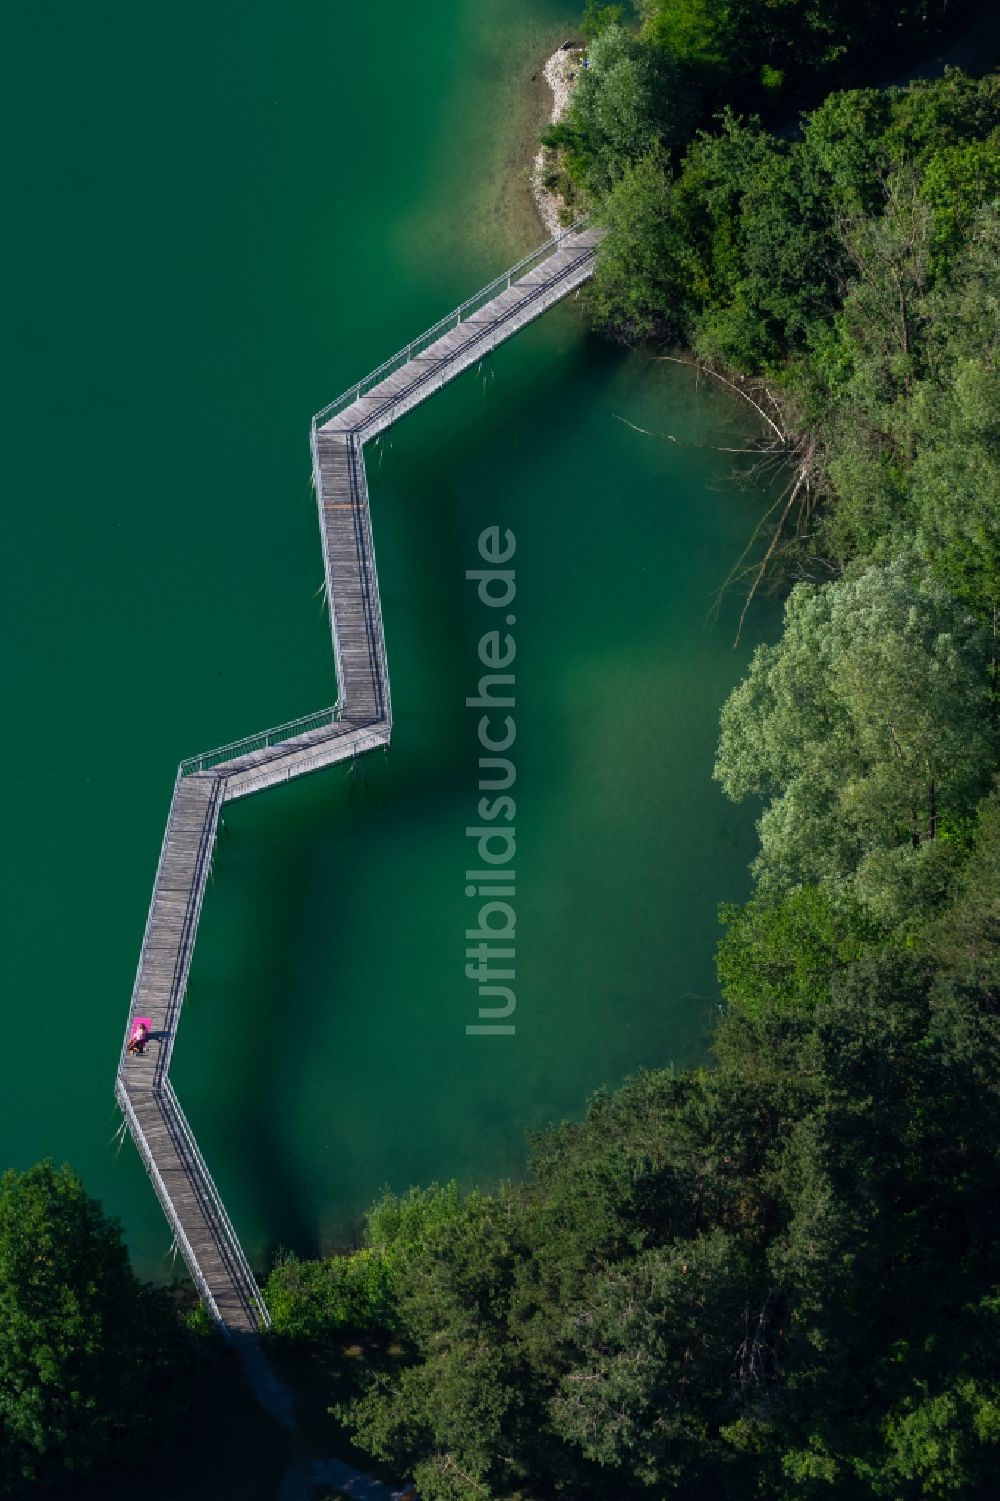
(865, 725)
(637, 289)
(200, 1322)
(744, 50)
(598, 17)
(696, 32)
(446, 1415)
(779, 255)
(446, 1255)
(761, 1279)
(956, 181)
(399, 1224)
(88, 1355)
(929, 116)
(640, 1386)
(451, 1264)
(785, 951)
(630, 100)
(964, 938)
(766, 247)
(312, 1299)
(935, 1440)
(775, 1277)
(956, 469)
(956, 483)
(846, 137)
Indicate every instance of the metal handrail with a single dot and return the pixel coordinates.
(449, 321)
(189, 932)
(321, 719)
(363, 738)
(225, 1223)
(145, 934)
(230, 780)
(162, 1193)
(482, 341)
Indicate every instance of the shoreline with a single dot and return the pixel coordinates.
(560, 72)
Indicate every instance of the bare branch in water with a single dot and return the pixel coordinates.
(665, 437)
(737, 571)
(740, 390)
(802, 481)
(669, 438)
(798, 498)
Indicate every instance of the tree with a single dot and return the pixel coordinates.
(638, 290)
(697, 32)
(451, 1418)
(846, 139)
(940, 1440)
(956, 470)
(931, 115)
(764, 1278)
(653, 1352)
(963, 939)
(956, 483)
(868, 727)
(312, 1299)
(87, 1353)
(957, 182)
(784, 951)
(782, 279)
(631, 99)
(744, 49)
(598, 17)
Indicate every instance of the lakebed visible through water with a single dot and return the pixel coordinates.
(222, 221)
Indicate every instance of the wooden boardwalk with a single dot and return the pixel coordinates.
(360, 721)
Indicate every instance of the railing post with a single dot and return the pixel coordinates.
(352, 394)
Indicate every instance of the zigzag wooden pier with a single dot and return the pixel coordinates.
(360, 721)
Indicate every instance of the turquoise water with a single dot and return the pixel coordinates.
(219, 221)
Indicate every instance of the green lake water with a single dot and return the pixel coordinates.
(218, 217)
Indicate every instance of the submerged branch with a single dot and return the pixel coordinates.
(802, 481)
(664, 437)
(740, 390)
(669, 438)
(798, 499)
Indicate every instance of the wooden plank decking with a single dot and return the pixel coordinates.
(470, 340)
(360, 721)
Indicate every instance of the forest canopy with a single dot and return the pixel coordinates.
(88, 1354)
(775, 1276)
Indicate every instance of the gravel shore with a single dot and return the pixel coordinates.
(560, 73)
